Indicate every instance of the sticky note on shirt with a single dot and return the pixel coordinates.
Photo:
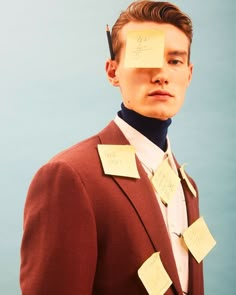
(154, 276)
(118, 160)
(184, 176)
(199, 239)
(144, 49)
(165, 182)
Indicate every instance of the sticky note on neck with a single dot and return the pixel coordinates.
(118, 160)
(144, 49)
(198, 239)
(154, 276)
(165, 182)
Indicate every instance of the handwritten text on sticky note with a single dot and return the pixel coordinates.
(118, 160)
(154, 276)
(199, 239)
(144, 49)
(165, 182)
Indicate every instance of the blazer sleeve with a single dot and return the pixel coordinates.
(59, 248)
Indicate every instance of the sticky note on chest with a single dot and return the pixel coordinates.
(199, 239)
(165, 182)
(144, 49)
(154, 276)
(118, 160)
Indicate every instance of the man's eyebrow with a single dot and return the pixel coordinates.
(178, 52)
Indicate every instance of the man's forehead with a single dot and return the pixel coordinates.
(146, 25)
(168, 30)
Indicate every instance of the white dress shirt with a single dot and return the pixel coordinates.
(175, 214)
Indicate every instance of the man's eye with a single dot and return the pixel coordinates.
(175, 62)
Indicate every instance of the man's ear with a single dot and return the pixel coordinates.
(111, 67)
(190, 72)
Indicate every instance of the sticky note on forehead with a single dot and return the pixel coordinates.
(144, 49)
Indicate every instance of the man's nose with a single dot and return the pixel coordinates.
(160, 76)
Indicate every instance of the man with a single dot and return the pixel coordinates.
(89, 231)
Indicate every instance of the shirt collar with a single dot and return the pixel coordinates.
(149, 154)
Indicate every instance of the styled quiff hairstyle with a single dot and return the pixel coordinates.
(153, 11)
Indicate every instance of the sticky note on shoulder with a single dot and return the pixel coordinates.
(154, 276)
(118, 160)
(144, 49)
(198, 239)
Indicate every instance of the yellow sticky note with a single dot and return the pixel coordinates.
(118, 160)
(165, 182)
(154, 276)
(190, 186)
(144, 49)
(199, 239)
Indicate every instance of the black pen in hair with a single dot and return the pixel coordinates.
(110, 43)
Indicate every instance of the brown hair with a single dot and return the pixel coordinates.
(153, 11)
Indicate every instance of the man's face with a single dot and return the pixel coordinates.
(154, 92)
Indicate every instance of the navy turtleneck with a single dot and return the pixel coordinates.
(154, 129)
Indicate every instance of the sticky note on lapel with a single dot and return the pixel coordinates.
(184, 176)
(118, 160)
(154, 276)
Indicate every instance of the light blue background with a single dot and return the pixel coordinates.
(54, 93)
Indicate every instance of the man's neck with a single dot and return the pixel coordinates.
(154, 129)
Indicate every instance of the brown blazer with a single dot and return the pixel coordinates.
(88, 233)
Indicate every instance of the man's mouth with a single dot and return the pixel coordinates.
(161, 93)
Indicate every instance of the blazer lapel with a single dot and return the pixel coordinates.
(142, 197)
(195, 268)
